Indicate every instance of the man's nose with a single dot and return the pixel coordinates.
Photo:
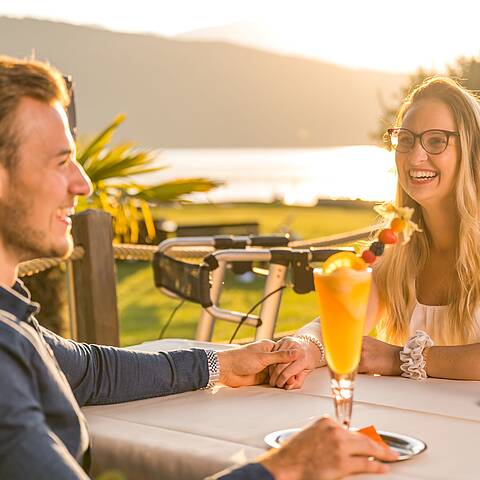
(80, 182)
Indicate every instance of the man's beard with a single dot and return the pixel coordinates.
(21, 237)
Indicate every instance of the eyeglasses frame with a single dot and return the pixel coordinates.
(448, 133)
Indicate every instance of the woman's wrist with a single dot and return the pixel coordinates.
(396, 362)
(412, 357)
(315, 347)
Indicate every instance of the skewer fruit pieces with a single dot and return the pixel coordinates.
(387, 236)
(401, 225)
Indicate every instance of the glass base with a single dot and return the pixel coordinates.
(342, 393)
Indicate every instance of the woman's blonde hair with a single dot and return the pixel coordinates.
(400, 267)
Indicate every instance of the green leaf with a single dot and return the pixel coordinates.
(172, 190)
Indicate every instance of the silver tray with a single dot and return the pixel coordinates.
(407, 447)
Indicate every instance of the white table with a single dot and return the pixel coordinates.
(194, 434)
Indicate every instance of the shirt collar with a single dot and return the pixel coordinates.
(17, 301)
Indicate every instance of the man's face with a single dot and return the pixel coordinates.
(38, 194)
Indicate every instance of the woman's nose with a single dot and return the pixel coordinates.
(417, 154)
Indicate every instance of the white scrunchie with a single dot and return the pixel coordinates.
(413, 363)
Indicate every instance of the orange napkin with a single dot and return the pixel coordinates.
(372, 433)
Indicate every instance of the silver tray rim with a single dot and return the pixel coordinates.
(417, 446)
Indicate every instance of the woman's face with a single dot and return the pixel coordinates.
(429, 179)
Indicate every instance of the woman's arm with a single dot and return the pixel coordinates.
(459, 362)
(375, 309)
(312, 328)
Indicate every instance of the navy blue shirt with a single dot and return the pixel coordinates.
(45, 379)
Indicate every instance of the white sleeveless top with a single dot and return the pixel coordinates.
(431, 319)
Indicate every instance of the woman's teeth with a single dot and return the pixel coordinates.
(422, 174)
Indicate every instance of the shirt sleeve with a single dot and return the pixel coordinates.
(102, 375)
(28, 447)
(250, 471)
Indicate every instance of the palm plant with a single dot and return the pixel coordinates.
(111, 169)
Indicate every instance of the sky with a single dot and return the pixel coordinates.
(383, 35)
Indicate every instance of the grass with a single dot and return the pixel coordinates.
(144, 310)
(306, 222)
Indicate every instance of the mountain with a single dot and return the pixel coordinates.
(243, 33)
(191, 94)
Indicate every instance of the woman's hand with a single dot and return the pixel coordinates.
(379, 357)
(292, 375)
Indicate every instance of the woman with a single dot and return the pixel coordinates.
(431, 284)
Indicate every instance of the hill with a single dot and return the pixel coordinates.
(193, 94)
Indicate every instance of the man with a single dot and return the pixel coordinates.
(44, 379)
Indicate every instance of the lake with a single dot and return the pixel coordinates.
(293, 176)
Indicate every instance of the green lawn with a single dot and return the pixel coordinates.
(143, 309)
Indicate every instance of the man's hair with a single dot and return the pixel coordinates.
(24, 79)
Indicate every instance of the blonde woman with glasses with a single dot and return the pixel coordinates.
(425, 302)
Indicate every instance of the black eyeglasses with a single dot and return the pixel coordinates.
(71, 113)
(432, 141)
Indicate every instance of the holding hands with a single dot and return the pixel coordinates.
(292, 375)
(249, 364)
(287, 363)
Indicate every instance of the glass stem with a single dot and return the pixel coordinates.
(342, 392)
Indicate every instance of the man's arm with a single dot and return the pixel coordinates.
(102, 375)
(28, 447)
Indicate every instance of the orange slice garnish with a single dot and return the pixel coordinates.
(371, 432)
(343, 259)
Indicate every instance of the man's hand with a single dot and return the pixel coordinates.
(292, 375)
(325, 451)
(379, 357)
(248, 365)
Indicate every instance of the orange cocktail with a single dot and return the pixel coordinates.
(343, 298)
(343, 289)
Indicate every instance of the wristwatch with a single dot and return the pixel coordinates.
(213, 368)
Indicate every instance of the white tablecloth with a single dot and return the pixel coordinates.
(194, 434)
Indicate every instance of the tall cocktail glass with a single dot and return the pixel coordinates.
(343, 298)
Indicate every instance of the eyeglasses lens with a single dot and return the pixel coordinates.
(404, 141)
(435, 142)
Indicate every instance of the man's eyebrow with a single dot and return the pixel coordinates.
(66, 151)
